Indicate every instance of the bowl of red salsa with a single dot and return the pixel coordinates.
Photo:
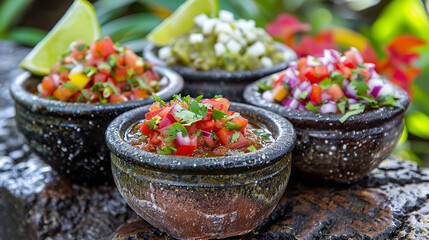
(201, 168)
(63, 116)
(347, 117)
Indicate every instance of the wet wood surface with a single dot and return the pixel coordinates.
(391, 203)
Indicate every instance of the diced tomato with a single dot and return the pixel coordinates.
(214, 104)
(192, 129)
(48, 83)
(335, 91)
(89, 61)
(352, 57)
(165, 111)
(366, 74)
(76, 54)
(144, 128)
(105, 71)
(219, 124)
(225, 104)
(194, 140)
(166, 121)
(120, 61)
(99, 77)
(321, 72)
(155, 106)
(154, 138)
(120, 74)
(209, 114)
(278, 80)
(185, 150)
(220, 151)
(241, 142)
(133, 61)
(140, 93)
(102, 48)
(63, 94)
(347, 62)
(210, 142)
(302, 62)
(117, 98)
(279, 92)
(316, 94)
(64, 75)
(153, 113)
(206, 125)
(241, 121)
(224, 136)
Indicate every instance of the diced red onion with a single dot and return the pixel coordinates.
(331, 55)
(296, 92)
(375, 91)
(293, 64)
(312, 61)
(55, 79)
(326, 96)
(350, 91)
(357, 54)
(291, 78)
(182, 140)
(346, 82)
(352, 101)
(329, 107)
(290, 103)
(268, 96)
(301, 107)
(207, 134)
(331, 67)
(385, 90)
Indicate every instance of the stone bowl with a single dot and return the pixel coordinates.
(219, 82)
(202, 197)
(339, 152)
(70, 136)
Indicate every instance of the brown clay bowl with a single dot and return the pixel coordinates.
(69, 136)
(339, 152)
(200, 197)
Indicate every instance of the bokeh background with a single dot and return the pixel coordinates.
(392, 33)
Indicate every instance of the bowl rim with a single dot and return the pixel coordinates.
(307, 119)
(26, 98)
(214, 75)
(283, 144)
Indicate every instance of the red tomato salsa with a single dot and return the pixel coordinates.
(101, 72)
(197, 128)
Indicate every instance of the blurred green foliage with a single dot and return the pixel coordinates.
(128, 21)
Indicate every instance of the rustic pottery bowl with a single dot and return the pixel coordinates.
(339, 152)
(215, 82)
(69, 136)
(197, 197)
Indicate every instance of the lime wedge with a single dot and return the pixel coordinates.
(79, 22)
(182, 20)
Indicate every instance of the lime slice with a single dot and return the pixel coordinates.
(182, 20)
(79, 22)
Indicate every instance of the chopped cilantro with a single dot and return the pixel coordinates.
(112, 87)
(265, 86)
(104, 65)
(65, 67)
(235, 137)
(264, 135)
(218, 96)
(198, 133)
(354, 109)
(251, 148)
(90, 71)
(360, 86)
(198, 99)
(326, 83)
(112, 60)
(167, 150)
(215, 138)
(204, 154)
(310, 106)
(342, 107)
(233, 116)
(151, 124)
(232, 126)
(130, 72)
(81, 47)
(303, 95)
(173, 130)
(158, 99)
(217, 114)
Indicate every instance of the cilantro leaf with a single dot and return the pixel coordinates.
(342, 106)
(251, 148)
(104, 65)
(232, 126)
(173, 130)
(235, 137)
(326, 83)
(233, 116)
(217, 114)
(303, 95)
(360, 86)
(198, 99)
(151, 124)
(310, 106)
(218, 96)
(167, 150)
(351, 113)
(286, 86)
(158, 99)
(265, 86)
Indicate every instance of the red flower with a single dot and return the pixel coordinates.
(285, 27)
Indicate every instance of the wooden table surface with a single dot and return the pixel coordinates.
(391, 203)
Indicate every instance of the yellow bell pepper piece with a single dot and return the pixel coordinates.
(279, 92)
(79, 79)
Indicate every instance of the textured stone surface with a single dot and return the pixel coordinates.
(390, 203)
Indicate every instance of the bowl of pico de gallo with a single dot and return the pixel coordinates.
(63, 116)
(347, 117)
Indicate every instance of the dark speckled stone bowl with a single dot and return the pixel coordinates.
(70, 137)
(215, 82)
(195, 197)
(335, 152)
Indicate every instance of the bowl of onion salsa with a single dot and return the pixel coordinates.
(347, 117)
(202, 168)
(63, 116)
(220, 55)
